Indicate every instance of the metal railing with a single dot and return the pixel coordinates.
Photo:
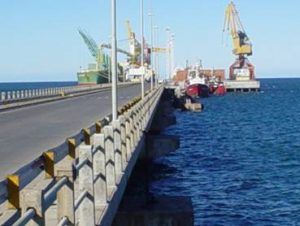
(31, 94)
(86, 176)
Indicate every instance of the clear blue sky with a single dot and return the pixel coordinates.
(40, 42)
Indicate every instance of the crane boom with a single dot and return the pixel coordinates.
(108, 46)
(232, 23)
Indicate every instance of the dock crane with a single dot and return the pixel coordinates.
(102, 60)
(241, 69)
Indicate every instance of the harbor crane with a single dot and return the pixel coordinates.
(241, 69)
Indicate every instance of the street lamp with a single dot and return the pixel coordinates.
(156, 63)
(114, 61)
(172, 54)
(168, 61)
(151, 27)
(142, 46)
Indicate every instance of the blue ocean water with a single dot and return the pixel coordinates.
(12, 86)
(239, 159)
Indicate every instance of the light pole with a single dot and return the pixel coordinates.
(156, 66)
(142, 47)
(172, 54)
(114, 61)
(168, 31)
(151, 27)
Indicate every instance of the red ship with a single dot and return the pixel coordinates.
(196, 84)
(197, 90)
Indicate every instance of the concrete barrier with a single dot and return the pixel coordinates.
(85, 177)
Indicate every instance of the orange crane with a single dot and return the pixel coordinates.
(241, 69)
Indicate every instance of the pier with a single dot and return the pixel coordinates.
(82, 180)
(242, 86)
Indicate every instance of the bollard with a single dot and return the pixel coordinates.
(117, 149)
(86, 207)
(99, 170)
(109, 159)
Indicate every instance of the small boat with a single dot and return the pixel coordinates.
(195, 84)
(220, 90)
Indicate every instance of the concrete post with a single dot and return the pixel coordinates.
(129, 145)
(86, 208)
(99, 170)
(123, 141)
(9, 95)
(65, 196)
(13, 95)
(134, 124)
(117, 148)
(17, 94)
(22, 94)
(109, 159)
(131, 125)
(32, 197)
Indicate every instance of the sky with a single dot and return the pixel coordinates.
(40, 41)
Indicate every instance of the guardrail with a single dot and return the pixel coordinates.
(85, 176)
(31, 94)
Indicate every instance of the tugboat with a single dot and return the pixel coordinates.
(196, 84)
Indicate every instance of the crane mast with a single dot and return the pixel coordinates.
(241, 69)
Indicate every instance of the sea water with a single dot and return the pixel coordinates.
(14, 86)
(239, 159)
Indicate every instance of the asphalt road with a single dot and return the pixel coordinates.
(26, 132)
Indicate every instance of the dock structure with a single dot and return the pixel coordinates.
(83, 180)
(242, 86)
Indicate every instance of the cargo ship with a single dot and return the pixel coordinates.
(96, 73)
(92, 76)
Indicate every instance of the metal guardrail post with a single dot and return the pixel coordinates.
(117, 149)
(109, 159)
(123, 141)
(87, 207)
(99, 170)
(3, 95)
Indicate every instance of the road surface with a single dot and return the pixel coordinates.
(27, 132)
